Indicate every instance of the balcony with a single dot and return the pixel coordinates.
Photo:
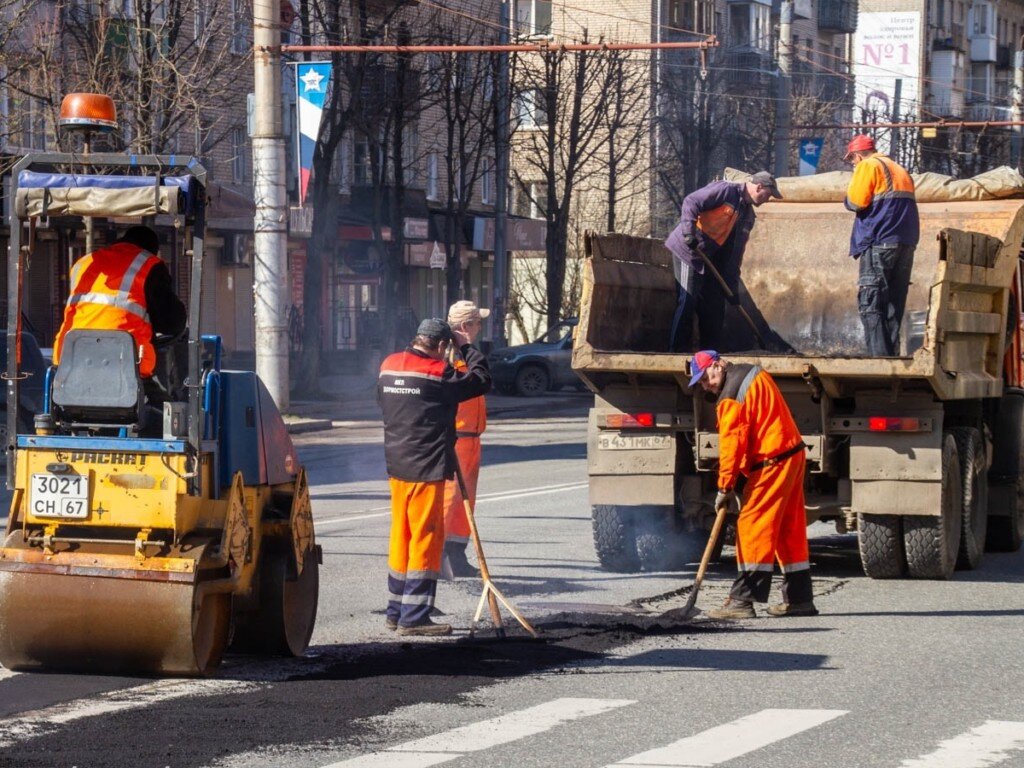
(983, 48)
(951, 38)
(833, 88)
(837, 16)
(747, 69)
(987, 111)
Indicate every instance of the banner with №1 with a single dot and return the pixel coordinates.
(311, 82)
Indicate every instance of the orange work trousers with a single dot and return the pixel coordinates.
(414, 555)
(456, 526)
(773, 526)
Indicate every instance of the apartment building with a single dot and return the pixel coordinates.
(196, 106)
(694, 114)
(957, 58)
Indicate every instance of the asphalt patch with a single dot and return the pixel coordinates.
(326, 707)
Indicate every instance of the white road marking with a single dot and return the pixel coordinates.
(482, 499)
(485, 734)
(248, 677)
(986, 745)
(6, 673)
(727, 742)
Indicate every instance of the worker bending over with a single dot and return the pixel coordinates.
(419, 393)
(885, 234)
(470, 423)
(716, 220)
(757, 437)
(125, 286)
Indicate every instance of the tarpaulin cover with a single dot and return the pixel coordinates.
(997, 184)
(68, 194)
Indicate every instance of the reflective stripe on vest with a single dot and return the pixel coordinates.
(122, 299)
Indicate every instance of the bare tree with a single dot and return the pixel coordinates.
(625, 124)
(563, 97)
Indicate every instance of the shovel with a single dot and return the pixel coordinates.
(690, 610)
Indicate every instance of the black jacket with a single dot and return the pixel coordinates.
(419, 397)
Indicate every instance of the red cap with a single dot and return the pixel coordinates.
(860, 143)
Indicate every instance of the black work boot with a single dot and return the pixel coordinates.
(456, 553)
(733, 609)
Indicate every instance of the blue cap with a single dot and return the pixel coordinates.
(699, 364)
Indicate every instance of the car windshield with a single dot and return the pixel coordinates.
(555, 334)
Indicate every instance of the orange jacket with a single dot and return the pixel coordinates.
(754, 422)
(108, 293)
(471, 418)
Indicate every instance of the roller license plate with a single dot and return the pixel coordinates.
(612, 441)
(59, 496)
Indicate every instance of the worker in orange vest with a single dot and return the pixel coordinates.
(885, 233)
(470, 423)
(125, 286)
(758, 438)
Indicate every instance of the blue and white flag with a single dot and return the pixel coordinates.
(311, 81)
(810, 154)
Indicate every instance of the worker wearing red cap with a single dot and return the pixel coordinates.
(885, 234)
(758, 438)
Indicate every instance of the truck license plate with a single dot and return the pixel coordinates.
(615, 442)
(61, 496)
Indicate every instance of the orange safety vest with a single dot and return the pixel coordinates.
(108, 293)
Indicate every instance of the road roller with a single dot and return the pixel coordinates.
(146, 533)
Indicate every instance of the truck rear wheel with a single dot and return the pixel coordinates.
(974, 480)
(880, 541)
(932, 543)
(615, 539)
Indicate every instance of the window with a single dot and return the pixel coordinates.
(26, 118)
(981, 22)
(410, 145)
(531, 199)
(531, 109)
(432, 176)
(750, 25)
(202, 20)
(338, 165)
(675, 13)
(487, 182)
(533, 17)
(362, 169)
(239, 27)
(237, 155)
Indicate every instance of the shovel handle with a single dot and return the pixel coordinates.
(716, 530)
(729, 294)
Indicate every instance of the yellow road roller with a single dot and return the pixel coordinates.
(146, 533)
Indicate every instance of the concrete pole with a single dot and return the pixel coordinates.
(1017, 106)
(783, 105)
(270, 273)
(501, 174)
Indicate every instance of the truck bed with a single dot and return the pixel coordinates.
(800, 285)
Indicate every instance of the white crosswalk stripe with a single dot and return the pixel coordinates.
(726, 742)
(988, 744)
(452, 744)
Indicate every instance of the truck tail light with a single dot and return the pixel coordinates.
(628, 420)
(893, 424)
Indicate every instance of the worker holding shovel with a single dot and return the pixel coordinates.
(759, 439)
(712, 233)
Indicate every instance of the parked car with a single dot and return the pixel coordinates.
(532, 369)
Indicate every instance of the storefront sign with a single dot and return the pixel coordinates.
(416, 229)
(422, 255)
(520, 234)
(437, 257)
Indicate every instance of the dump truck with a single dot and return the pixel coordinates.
(920, 454)
(133, 545)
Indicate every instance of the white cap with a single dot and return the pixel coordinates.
(465, 310)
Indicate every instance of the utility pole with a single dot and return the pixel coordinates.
(784, 95)
(501, 179)
(270, 272)
(1017, 105)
